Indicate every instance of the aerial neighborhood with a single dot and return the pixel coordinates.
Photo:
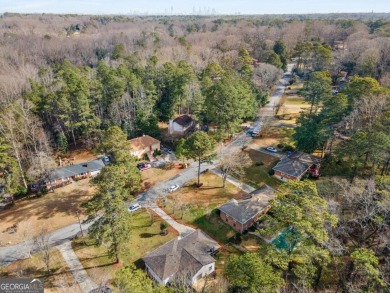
(195, 153)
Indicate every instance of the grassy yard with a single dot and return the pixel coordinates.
(257, 174)
(51, 211)
(60, 279)
(196, 206)
(145, 237)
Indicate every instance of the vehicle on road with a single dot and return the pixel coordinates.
(174, 187)
(144, 166)
(256, 131)
(271, 149)
(134, 207)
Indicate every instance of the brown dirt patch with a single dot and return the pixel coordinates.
(50, 212)
(154, 176)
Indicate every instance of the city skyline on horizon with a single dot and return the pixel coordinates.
(185, 7)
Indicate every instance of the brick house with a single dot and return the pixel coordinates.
(242, 214)
(142, 145)
(297, 164)
(66, 175)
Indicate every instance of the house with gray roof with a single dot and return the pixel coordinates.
(186, 257)
(67, 174)
(242, 214)
(297, 164)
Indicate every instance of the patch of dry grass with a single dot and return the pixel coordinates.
(59, 280)
(51, 212)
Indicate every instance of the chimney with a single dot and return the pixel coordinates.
(170, 127)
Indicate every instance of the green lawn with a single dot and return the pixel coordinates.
(296, 100)
(257, 174)
(144, 238)
(199, 205)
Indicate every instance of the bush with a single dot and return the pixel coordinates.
(21, 191)
(156, 153)
(280, 146)
(271, 172)
(259, 164)
(252, 228)
(237, 238)
(288, 148)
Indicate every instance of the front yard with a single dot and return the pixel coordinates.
(257, 174)
(196, 206)
(145, 237)
(59, 279)
(51, 211)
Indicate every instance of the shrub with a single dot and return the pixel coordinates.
(280, 145)
(252, 228)
(259, 164)
(288, 148)
(156, 153)
(271, 172)
(237, 238)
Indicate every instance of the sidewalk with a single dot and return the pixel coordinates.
(75, 266)
(182, 229)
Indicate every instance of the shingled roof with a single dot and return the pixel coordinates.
(245, 209)
(142, 142)
(185, 255)
(77, 169)
(183, 120)
(296, 164)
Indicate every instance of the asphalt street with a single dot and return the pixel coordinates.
(12, 253)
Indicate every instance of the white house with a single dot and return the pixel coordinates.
(188, 257)
(181, 125)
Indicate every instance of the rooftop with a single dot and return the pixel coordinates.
(73, 170)
(183, 120)
(245, 209)
(296, 164)
(140, 143)
(185, 255)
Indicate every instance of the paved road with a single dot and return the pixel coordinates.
(267, 110)
(9, 254)
(12, 253)
(149, 197)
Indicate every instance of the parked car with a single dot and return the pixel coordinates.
(144, 166)
(172, 188)
(271, 149)
(134, 207)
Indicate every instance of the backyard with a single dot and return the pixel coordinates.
(145, 237)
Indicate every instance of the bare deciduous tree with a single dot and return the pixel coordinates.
(232, 162)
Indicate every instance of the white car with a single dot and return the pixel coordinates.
(172, 188)
(271, 149)
(133, 207)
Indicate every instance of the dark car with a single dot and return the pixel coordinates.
(144, 166)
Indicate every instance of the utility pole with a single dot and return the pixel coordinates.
(81, 228)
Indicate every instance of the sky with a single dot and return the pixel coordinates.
(189, 7)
